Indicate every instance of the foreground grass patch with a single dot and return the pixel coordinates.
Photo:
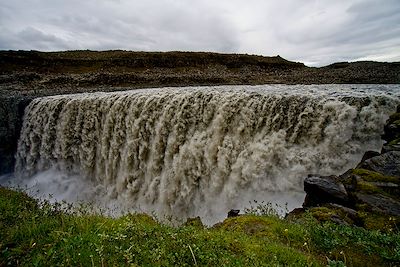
(45, 235)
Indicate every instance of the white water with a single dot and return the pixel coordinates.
(198, 151)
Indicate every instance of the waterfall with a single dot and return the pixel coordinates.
(199, 150)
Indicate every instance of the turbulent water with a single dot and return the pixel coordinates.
(198, 151)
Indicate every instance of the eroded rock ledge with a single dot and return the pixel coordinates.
(366, 196)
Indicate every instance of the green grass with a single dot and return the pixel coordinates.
(41, 234)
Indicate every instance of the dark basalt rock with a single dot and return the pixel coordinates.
(11, 115)
(390, 147)
(392, 127)
(369, 154)
(380, 203)
(335, 213)
(233, 213)
(324, 189)
(350, 213)
(387, 163)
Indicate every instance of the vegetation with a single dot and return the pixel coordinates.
(372, 176)
(37, 233)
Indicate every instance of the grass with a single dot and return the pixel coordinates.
(36, 233)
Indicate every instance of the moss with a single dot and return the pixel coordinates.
(368, 188)
(372, 176)
(322, 213)
(377, 221)
(328, 214)
(194, 222)
(249, 224)
(394, 142)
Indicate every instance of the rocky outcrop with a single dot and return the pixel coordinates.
(368, 195)
(324, 189)
(379, 203)
(233, 213)
(11, 114)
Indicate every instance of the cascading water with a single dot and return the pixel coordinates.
(198, 151)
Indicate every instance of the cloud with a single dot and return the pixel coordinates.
(317, 32)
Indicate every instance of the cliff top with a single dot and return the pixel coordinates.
(46, 73)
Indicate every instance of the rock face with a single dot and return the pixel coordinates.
(368, 195)
(392, 127)
(11, 114)
(233, 213)
(387, 163)
(369, 154)
(380, 203)
(324, 189)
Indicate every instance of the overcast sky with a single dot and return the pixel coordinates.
(316, 32)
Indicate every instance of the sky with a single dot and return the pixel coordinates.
(315, 32)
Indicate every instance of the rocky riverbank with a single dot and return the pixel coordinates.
(366, 196)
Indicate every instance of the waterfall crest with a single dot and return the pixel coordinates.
(202, 151)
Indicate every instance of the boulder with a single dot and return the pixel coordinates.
(324, 189)
(233, 213)
(392, 130)
(328, 213)
(390, 147)
(348, 212)
(388, 163)
(392, 127)
(379, 203)
(369, 154)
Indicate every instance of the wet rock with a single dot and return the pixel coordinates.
(391, 131)
(324, 189)
(385, 185)
(387, 163)
(11, 114)
(369, 154)
(390, 147)
(380, 203)
(233, 213)
(392, 127)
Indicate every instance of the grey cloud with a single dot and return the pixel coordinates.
(317, 32)
(31, 38)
